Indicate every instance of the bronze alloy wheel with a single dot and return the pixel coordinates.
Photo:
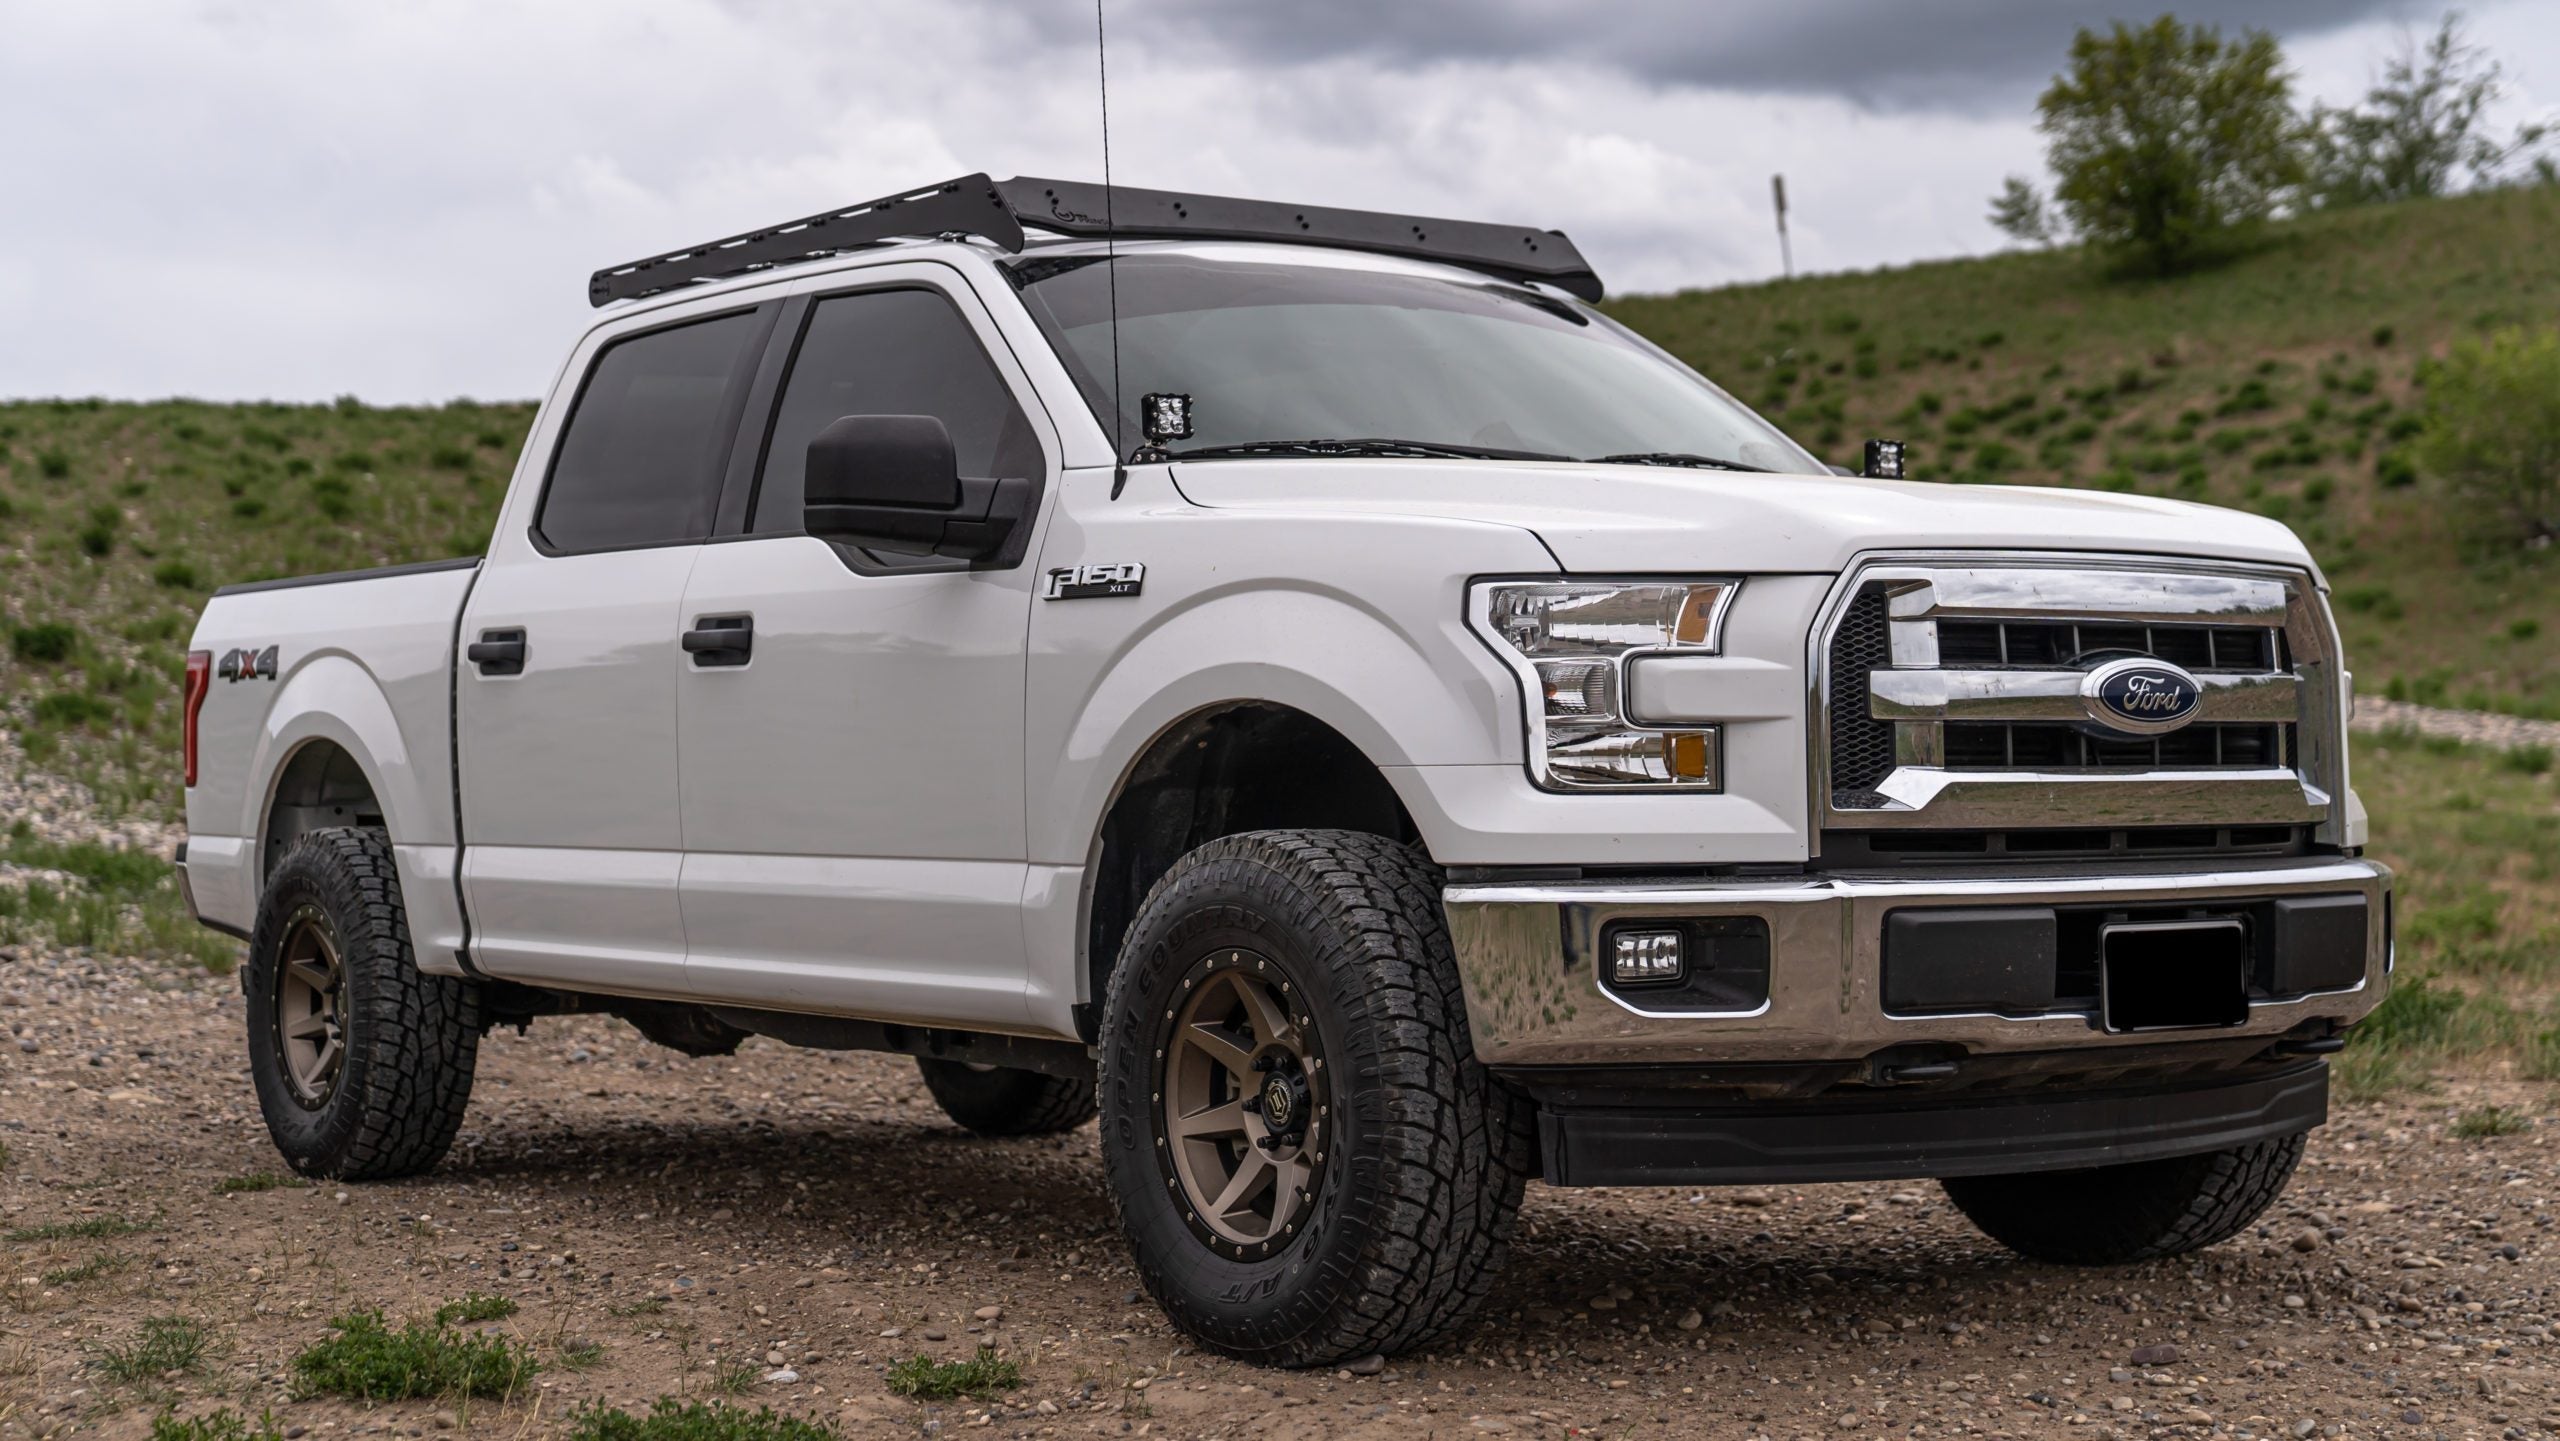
(1240, 1107)
(311, 1007)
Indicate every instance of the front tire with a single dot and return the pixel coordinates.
(1308, 1161)
(362, 1062)
(2141, 1211)
(1006, 1100)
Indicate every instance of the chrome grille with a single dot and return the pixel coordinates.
(1950, 696)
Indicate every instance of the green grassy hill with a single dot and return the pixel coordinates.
(2281, 383)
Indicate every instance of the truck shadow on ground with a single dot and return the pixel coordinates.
(1886, 1270)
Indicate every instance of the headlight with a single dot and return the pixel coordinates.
(1569, 642)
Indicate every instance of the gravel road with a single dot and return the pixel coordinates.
(812, 1214)
(2479, 727)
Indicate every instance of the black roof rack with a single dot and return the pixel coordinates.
(998, 211)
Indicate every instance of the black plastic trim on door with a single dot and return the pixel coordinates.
(755, 418)
(497, 652)
(721, 640)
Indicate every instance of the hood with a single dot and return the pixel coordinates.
(1626, 518)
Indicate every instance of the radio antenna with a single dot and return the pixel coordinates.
(1111, 262)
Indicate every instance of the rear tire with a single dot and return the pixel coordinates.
(362, 1062)
(2141, 1211)
(1004, 1100)
(1308, 1161)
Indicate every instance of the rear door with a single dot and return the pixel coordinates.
(565, 702)
(852, 770)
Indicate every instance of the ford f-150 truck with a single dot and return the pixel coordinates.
(1307, 687)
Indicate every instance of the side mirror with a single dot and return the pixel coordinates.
(893, 482)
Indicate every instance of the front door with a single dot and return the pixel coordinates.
(852, 759)
(565, 701)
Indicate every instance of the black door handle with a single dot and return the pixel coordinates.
(497, 652)
(722, 640)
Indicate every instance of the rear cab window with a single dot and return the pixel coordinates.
(641, 459)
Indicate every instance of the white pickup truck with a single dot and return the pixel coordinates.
(1307, 687)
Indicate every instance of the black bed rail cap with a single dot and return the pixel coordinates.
(1075, 207)
(969, 205)
(998, 210)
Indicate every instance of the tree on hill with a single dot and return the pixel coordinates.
(2163, 139)
(2492, 434)
(2421, 127)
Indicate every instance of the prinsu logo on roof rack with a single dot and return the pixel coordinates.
(997, 210)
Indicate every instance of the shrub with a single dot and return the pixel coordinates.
(475, 1308)
(333, 496)
(2482, 1122)
(929, 1380)
(2373, 600)
(175, 574)
(72, 710)
(163, 1344)
(368, 1361)
(2524, 628)
(449, 457)
(2492, 434)
(53, 463)
(2394, 470)
(98, 536)
(671, 1420)
(222, 1425)
(2249, 395)
(48, 643)
(2531, 760)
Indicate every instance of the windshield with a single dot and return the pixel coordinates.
(1281, 355)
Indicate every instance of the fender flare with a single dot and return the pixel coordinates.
(331, 698)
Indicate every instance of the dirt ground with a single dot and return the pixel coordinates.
(789, 1223)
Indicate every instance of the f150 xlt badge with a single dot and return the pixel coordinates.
(1093, 582)
(244, 664)
(2139, 696)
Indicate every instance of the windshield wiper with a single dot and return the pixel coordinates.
(1675, 457)
(1409, 449)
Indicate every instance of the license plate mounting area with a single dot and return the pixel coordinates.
(2174, 975)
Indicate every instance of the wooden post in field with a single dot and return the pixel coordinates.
(1778, 192)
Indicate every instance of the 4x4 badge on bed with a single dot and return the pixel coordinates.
(1092, 582)
(2140, 696)
(244, 664)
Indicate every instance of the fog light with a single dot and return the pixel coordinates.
(1642, 957)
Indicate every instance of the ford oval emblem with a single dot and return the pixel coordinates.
(2140, 696)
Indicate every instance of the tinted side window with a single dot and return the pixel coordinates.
(642, 459)
(890, 352)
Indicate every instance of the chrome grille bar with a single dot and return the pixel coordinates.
(2054, 695)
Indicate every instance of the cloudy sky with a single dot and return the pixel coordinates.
(306, 198)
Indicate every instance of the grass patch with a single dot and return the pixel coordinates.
(926, 1379)
(2481, 1122)
(733, 1378)
(95, 1228)
(89, 1270)
(222, 1425)
(473, 1309)
(365, 1360)
(163, 1344)
(258, 1181)
(646, 1306)
(673, 1420)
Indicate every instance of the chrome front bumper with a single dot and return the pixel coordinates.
(1526, 957)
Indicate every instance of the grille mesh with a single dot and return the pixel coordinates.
(1861, 746)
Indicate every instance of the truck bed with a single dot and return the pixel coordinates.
(357, 660)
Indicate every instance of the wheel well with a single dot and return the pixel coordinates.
(320, 786)
(1220, 772)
